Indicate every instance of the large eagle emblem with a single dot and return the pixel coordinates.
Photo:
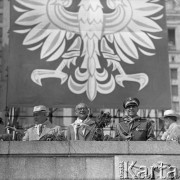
(119, 35)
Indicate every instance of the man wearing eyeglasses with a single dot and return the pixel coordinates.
(132, 127)
(84, 127)
(42, 125)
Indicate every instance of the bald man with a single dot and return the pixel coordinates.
(84, 127)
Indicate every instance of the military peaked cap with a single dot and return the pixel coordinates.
(131, 101)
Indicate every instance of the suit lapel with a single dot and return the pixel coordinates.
(47, 127)
(80, 132)
(84, 130)
(89, 129)
(90, 125)
(34, 133)
(44, 131)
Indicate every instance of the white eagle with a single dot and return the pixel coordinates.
(118, 35)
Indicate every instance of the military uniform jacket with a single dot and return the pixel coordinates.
(134, 129)
(84, 133)
(48, 128)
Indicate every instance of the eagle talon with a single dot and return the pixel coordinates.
(36, 78)
(39, 74)
(141, 78)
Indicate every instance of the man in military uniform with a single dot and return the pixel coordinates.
(132, 127)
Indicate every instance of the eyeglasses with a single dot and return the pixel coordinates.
(82, 108)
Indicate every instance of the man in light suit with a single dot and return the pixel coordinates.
(42, 125)
(172, 127)
(84, 127)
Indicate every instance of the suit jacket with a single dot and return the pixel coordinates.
(84, 133)
(48, 128)
(139, 129)
(173, 132)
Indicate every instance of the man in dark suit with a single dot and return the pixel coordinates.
(132, 127)
(42, 125)
(84, 127)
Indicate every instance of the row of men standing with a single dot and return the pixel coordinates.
(131, 127)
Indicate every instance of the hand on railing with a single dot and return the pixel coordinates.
(53, 137)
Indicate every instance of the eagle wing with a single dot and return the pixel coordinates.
(47, 25)
(131, 27)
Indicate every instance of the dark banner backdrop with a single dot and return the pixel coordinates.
(97, 52)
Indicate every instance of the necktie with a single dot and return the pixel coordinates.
(39, 129)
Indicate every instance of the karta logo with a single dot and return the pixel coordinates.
(131, 170)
